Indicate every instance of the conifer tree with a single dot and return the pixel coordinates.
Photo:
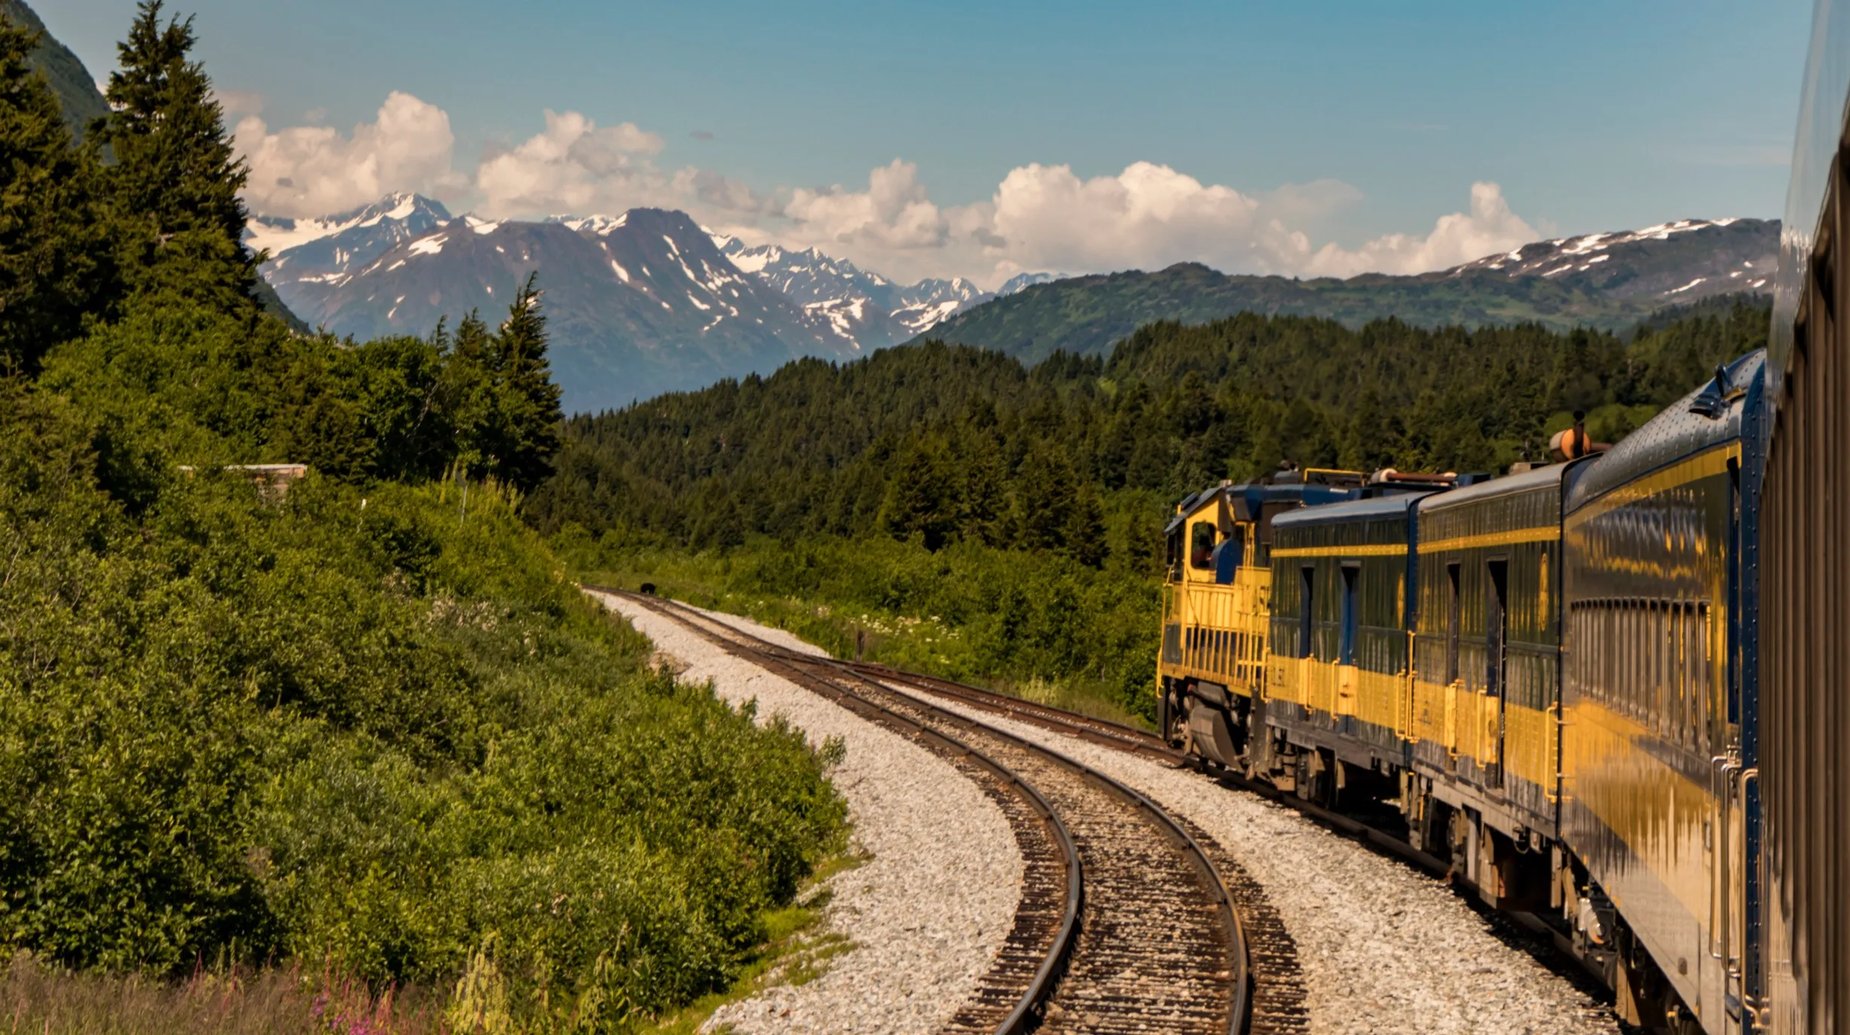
(504, 404)
(176, 178)
(54, 263)
(526, 397)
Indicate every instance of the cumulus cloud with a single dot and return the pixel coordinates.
(893, 212)
(1490, 226)
(1039, 217)
(316, 170)
(571, 165)
(1047, 217)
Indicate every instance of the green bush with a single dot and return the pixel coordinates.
(1014, 618)
(373, 728)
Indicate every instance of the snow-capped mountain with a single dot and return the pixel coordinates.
(333, 246)
(1676, 262)
(870, 309)
(1024, 281)
(638, 304)
(1605, 280)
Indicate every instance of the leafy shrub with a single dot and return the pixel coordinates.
(380, 730)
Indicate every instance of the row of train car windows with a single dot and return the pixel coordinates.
(1648, 660)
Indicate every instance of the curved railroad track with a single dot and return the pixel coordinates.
(1131, 920)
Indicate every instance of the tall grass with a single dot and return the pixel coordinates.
(1032, 624)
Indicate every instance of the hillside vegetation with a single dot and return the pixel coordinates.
(1088, 315)
(359, 729)
(1014, 507)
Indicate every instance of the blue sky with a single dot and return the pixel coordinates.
(1312, 134)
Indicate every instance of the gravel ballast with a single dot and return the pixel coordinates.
(1383, 948)
(928, 909)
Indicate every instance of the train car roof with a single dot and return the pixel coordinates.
(1247, 497)
(1822, 120)
(1672, 435)
(1378, 507)
(1509, 484)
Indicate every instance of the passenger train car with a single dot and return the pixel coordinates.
(1550, 674)
(1801, 950)
(1611, 691)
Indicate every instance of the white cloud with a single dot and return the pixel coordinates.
(316, 171)
(1047, 217)
(574, 165)
(1039, 217)
(892, 213)
(1488, 228)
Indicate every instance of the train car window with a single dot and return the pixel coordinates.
(1452, 572)
(1307, 582)
(1663, 715)
(1496, 624)
(1201, 545)
(1345, 651)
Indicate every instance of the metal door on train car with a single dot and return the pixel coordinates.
(1496, 655)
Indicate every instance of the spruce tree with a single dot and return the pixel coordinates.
(53, 256)
(526, 398)
(502, 401)
(176, 178)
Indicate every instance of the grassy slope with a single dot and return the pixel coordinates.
(1033, 625)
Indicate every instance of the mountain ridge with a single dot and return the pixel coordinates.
(1607, 280)
(70, 81)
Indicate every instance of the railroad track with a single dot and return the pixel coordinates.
(1158, 929)
(1543, 938)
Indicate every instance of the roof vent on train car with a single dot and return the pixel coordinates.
(1712, 401)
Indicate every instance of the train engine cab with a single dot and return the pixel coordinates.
(1215, 617)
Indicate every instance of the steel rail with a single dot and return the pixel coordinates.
(1022, 1017)
(764, 651)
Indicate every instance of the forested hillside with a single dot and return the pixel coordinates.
(952, 442)
(1607, 281)
(343, 751)
(947, 508)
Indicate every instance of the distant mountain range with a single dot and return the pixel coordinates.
(646, 301)
(1608, 280)
(639, 303)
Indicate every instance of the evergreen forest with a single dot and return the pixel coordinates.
(952, 509)
(339, 744)
(341, 748)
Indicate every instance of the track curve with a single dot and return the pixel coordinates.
(1154, 939)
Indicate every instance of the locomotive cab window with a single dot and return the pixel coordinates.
(1201, 545)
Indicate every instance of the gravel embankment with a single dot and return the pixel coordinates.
(1383, 948)
(930, 907)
